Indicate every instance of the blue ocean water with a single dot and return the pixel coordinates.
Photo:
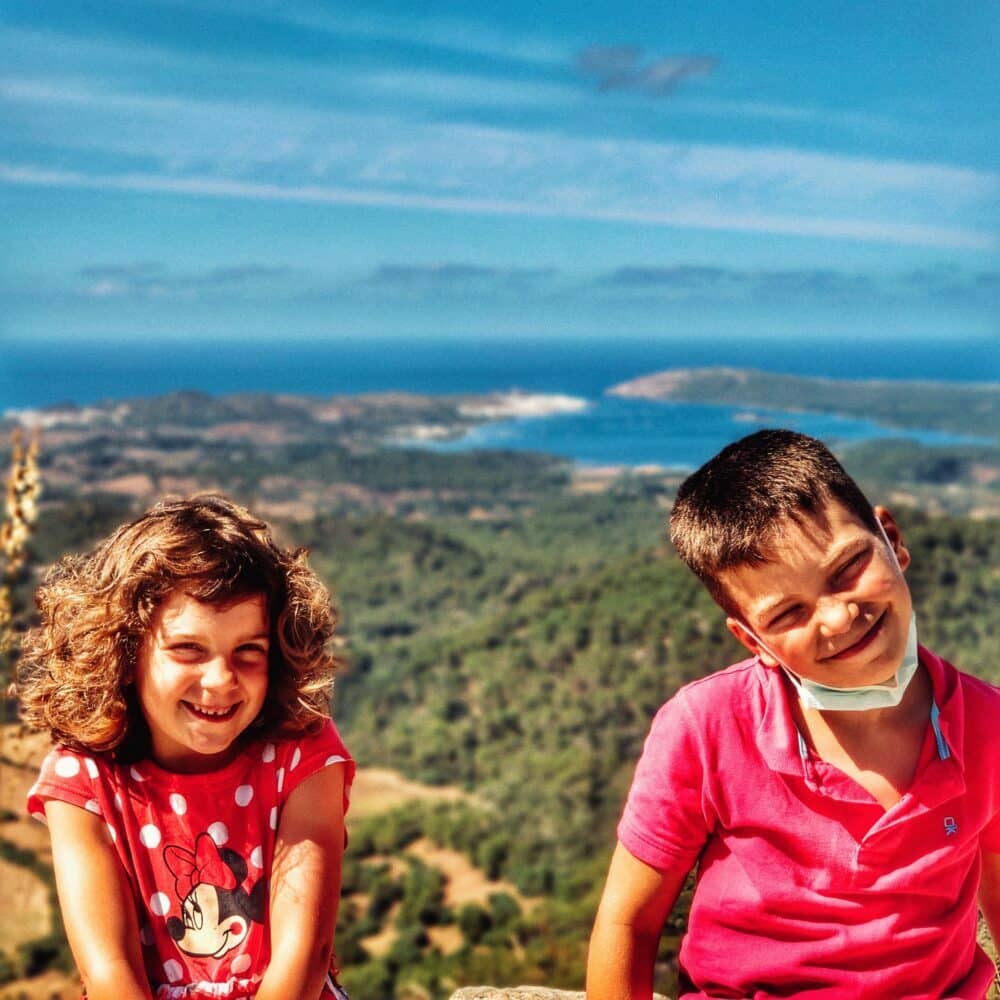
(609, 431)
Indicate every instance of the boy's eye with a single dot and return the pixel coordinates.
(785, 618)
(851, 566)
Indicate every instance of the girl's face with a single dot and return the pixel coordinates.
(201, 678)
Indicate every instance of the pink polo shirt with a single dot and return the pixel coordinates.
(806, 886)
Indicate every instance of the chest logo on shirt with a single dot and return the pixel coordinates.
(950, 826)
(217, 912)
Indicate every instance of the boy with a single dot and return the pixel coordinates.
(839, 792)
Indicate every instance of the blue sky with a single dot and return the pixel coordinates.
(259, 169)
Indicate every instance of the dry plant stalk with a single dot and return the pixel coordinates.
(20, 515)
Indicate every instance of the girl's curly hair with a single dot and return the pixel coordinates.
(75, 678)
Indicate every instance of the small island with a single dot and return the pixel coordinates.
(967, 409)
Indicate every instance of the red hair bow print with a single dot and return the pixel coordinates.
(203, 865)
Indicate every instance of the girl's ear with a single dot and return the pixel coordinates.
(744, 636)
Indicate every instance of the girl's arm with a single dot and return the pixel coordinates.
(96, 905)
(636, 903)
(305, 887)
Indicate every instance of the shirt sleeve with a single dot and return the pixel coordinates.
(666, 819)
(66, 776)
(305, 756)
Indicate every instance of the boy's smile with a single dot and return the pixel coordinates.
(202, 678)
(830, 602)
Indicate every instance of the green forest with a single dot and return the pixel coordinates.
(519, 657)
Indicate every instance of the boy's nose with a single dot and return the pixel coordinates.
(835, 615)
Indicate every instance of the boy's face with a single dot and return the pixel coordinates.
(830, 603)
(201, 678)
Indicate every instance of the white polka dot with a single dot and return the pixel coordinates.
(159, 904)
(136, 776)
(273, 818)
(241, 963)
(244, 794)
(178, 803)
(335, 759)
(67, 767)
(91, 765)
(118, 802)
(150, 836)
(257, 857)
(268, 753)
(146, 936)
(112, 832)
(281, 778)
(91, 806)
(296, 757)
(173, 970)
(219, 832)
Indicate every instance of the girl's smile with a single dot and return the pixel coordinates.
(201, 678)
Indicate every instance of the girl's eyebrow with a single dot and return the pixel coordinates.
(199, 636)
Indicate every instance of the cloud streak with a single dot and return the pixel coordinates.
(698, 217)
(153, 280)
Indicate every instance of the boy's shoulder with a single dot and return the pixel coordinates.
(739, 683)
(737, 697)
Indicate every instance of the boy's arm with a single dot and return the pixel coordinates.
(305, 887)
(989, 894)
(96, 904)
(636, 903)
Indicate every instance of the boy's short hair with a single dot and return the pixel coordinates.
(75, 677)
(726, 513)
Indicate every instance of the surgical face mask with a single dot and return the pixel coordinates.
(859, 699)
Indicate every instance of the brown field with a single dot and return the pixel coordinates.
(47, 986)
(25, 914)
(377, 790)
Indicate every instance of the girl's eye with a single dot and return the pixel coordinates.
(252, 650)
(185, 648)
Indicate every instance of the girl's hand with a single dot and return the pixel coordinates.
(305, 887)
(96, 905)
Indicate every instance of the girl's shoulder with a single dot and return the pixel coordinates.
(295, 758)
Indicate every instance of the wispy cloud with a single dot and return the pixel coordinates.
(695, 217)
(690, 283)
(620, 67)
(153, 280)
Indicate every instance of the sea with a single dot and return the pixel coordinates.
(604, 431)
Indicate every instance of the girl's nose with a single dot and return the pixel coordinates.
(217, 673)
(836, 616)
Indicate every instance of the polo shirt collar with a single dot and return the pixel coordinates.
(778, 738)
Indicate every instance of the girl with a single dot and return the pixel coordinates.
(196, 794)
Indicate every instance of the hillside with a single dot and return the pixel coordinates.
(510, 625)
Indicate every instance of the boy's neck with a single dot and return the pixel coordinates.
(913, 710)
(880, 748)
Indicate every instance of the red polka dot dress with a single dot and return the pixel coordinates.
(197, 850)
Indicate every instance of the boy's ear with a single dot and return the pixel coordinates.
(895, 536)
(747, 638)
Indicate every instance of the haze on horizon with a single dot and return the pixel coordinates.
(237, 169)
